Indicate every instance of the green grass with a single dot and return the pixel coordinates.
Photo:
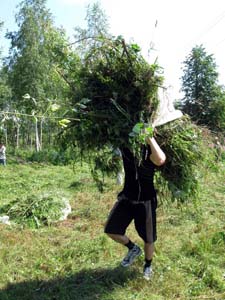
(74, 260)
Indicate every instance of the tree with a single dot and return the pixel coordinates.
(200, 86)
(1, 25)
(32, 61)
(97, 29)
(4, 88)
(5, 96)
(218, 113)
(29, 64)
(5, 91)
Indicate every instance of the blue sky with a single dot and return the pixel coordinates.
(181, 24)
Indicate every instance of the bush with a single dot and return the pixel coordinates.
(52, 156)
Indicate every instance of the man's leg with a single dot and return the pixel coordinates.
(149, 251)
(133, 250)
(145, 223)
(122, 239)
(119, 219)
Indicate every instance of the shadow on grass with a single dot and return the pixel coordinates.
(85, 285)
(75, 185)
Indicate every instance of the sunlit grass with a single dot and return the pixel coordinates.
(73, 259)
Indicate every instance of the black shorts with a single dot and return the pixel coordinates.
(143, 214)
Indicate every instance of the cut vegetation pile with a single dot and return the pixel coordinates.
(35, 210)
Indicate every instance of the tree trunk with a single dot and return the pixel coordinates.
(17, 135)
(41, 133)
(38, 148)
(6, 137)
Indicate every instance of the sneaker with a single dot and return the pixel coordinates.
(148, 272)
(131, 255)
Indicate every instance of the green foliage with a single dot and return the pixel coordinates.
(1, 26)
(122, 88)
(118, 89)
(5, 90)
(104, 162)
(140, 132)
(97, 29)
(37, 51)
(34, 210)
(182, 142)
(32, 61)
(202, 94)
(52, 156)
(217, 113)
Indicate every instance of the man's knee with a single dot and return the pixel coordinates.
(122, 239)
(112, 235)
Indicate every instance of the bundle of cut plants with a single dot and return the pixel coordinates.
(117, 89)
(117, 99)
(182, 142)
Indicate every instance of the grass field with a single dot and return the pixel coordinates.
(74, 260)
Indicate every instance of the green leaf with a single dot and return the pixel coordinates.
(64, 122)
(149, 131)
(55, 107)
(135, 47)
(137, 128)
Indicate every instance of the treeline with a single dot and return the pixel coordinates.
(33, 77)
(40, 78)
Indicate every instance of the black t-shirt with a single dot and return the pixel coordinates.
(138, 185)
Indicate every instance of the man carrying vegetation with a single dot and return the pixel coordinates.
(137, 201)
(117, 104)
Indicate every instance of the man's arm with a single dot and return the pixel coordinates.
(157, 156)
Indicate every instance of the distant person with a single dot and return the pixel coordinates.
(2, 154)
(137, 201)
